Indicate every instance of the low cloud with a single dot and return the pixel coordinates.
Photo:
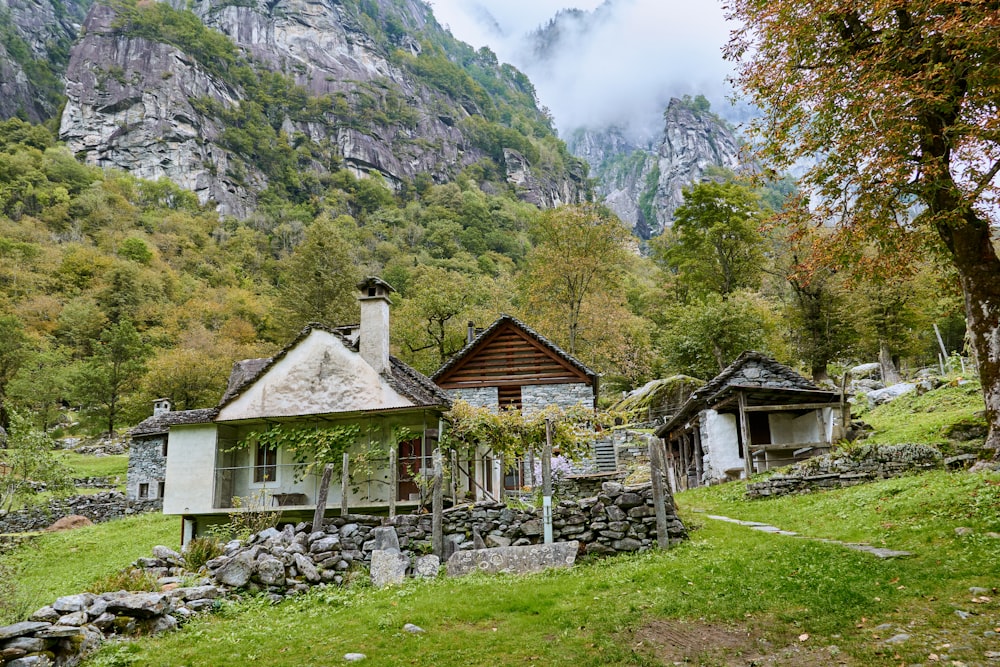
(621, 66)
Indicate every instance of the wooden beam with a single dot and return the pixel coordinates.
(787, 407)
(744, 423)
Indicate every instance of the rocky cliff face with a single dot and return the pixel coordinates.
(642, 182)
(35, 38)
(157, 108)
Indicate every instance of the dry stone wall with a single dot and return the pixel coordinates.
(97, 507)
(848, 468)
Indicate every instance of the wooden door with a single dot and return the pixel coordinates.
(409, 463)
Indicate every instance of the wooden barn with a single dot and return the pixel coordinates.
(509, 364)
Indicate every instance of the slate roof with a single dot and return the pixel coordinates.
(408, 381)
(504, 319)
(776, 377)
(158, 424)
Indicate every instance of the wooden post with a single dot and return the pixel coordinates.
(656, 476)
(944, 352)
(437, 506)
(529, 461)
(698, 453)
(454, 478)
(547, 484)
(745, 435)
(345, 481)
(393, 481)
(324, 488)
(684, 460)
(845, 408)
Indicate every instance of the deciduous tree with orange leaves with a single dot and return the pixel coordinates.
(899, 102)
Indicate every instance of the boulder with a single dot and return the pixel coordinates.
(166, 553)
(517, 560)
(236, 571)
(271, 571)
(70, 603)
(140, 605)
(307, 569)
(388, 568)
(331, 543)
(385, 539)
(427, 566)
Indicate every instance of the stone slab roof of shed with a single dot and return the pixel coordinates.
(405, 379)
(161, 423)
(751, 370)
(510, 319)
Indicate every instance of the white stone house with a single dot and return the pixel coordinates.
(509, 365)
(755, 415)
(324, 378)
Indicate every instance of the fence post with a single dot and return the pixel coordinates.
(393, 482)
(547, 483)
(437, 506)
(345, 481)
(454, 478)
(656, 477)
(324, 488)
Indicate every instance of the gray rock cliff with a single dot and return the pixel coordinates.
(643, 181)
(151, 109)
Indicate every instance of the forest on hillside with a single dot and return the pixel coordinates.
(115, 291)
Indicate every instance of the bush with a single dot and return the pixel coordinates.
(126, 580)
(200, 550)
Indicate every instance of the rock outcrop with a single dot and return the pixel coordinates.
(157, 107)
(643, 181)
(35, 37)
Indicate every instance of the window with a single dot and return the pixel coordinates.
(509, 397)
(265, 465)
(160, 487)
(144, 490)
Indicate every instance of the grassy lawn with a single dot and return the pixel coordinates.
(55, 564)
(934, 418)
(728, 596)
(87, 465)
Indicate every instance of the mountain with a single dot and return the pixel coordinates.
(643, 181)
(239, 100)
(35, 39)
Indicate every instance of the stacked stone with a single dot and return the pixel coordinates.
(97, 507)
(839, 469)
(95, 482)
(73, 625)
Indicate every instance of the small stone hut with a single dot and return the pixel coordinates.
(755, 415)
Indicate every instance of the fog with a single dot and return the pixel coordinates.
(619, 65)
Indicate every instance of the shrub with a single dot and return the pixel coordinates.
(200, 550)
(127, 580)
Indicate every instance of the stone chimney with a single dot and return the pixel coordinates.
(470, 335)
(160, 406)
(373, 343)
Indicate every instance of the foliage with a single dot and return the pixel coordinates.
(715, 244)
(703, 337)
(251, 514)
(510, 433)
(132, 579)
(312, 445)
(27, 461)
(13, 350)
(114, 370)
(947, 417)
(900, 106)
(200, 550)
(579, 252)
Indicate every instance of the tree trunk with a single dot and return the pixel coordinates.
(979, 272)
(890, 375)
(820, 374)
(324, 490)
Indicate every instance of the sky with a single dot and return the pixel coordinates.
(624, 71)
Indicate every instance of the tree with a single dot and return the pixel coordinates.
(318, 279)
(579, 250)
(13, 351)
(40, 385)
(29, 459)
(715, 244)
(898, 102)
(114, 370)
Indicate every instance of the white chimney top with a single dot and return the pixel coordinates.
(160, 406)
(373, 344)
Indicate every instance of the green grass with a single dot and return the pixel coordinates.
(55, 564)
(929, 418)
(87, 465)
(775, 588)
